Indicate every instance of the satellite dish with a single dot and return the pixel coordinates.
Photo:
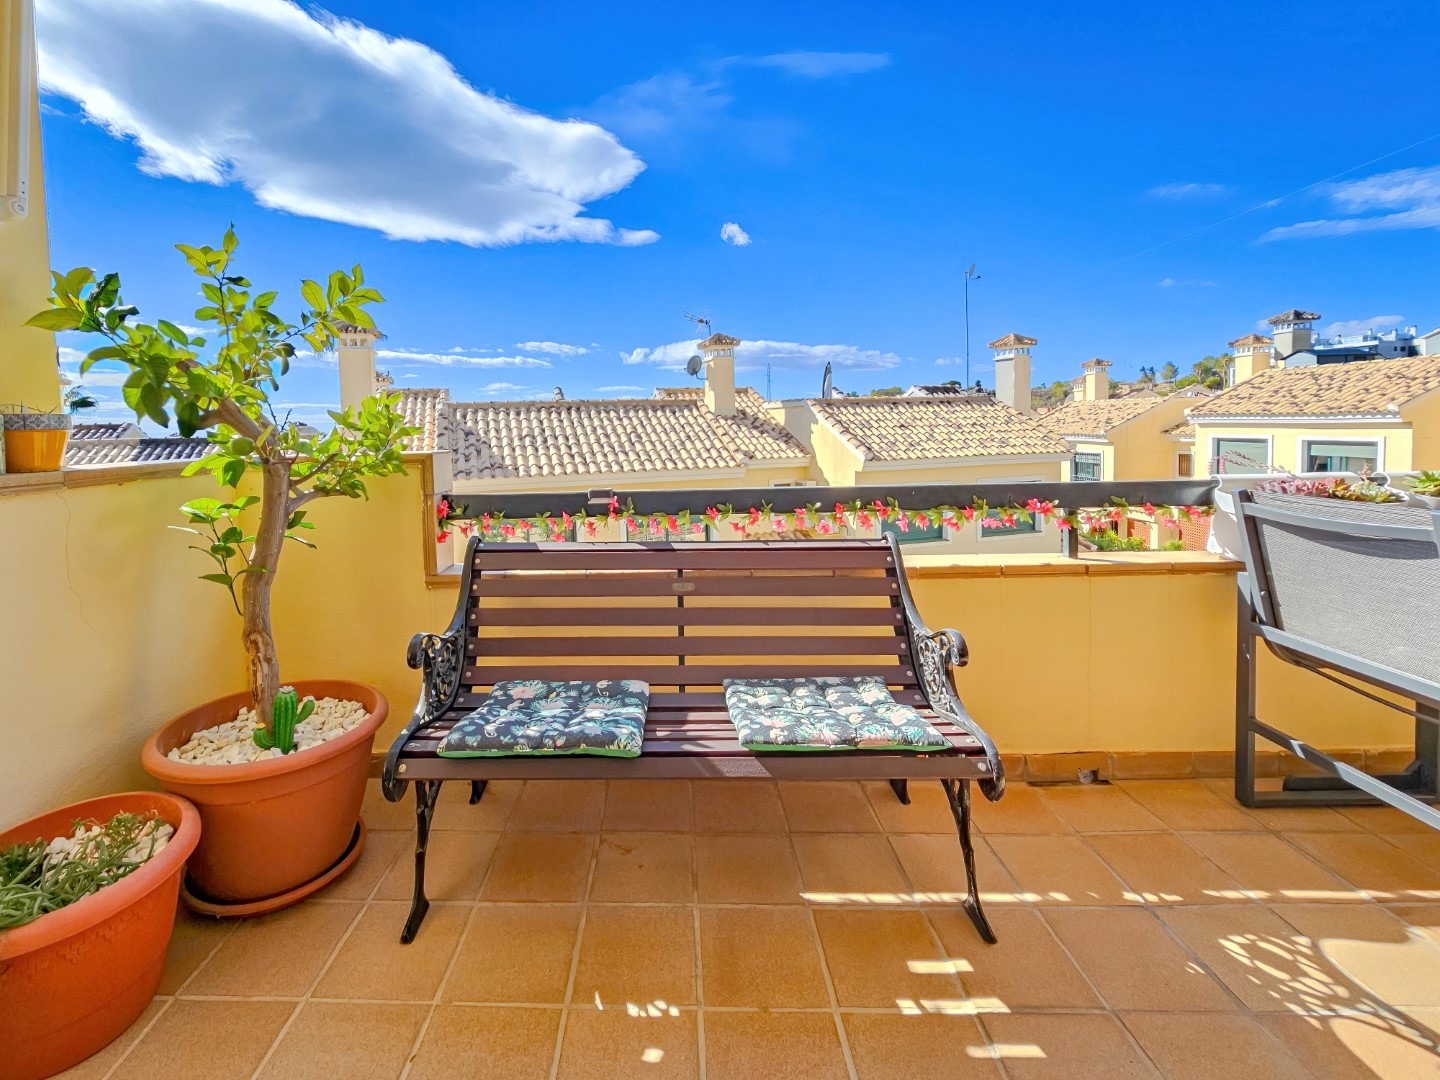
(827, 388)
(693, 365)
(971, 271)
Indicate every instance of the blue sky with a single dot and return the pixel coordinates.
(541, 190)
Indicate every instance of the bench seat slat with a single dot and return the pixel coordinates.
(709, 557)
(669, 585)
(631, 615)
(679, 675)
(730, 645)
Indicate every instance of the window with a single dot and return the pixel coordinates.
(1242, 456)
(913, 535)
(1020, 526)
(1185, 464)
(1341, 456)
(1087, 466)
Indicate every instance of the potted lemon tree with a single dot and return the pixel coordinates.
(261, 763)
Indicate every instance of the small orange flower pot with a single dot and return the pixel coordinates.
(74, 979)
(35, 442)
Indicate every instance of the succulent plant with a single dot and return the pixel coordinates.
(1293, 485)
(1364, 490)
(1426, 483)
(289, 712)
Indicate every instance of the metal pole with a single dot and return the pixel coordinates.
(967, 331)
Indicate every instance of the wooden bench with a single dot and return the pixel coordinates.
(684, 617)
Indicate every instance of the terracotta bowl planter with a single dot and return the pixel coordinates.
(75, 979)
(271, 826)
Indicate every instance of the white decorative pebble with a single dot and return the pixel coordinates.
(233, 742)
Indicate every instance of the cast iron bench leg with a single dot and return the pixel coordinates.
(426, 792)
(957, 793)
(902, 791)
(477, 789)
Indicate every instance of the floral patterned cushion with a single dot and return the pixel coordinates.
(533, 716)
(826, 713)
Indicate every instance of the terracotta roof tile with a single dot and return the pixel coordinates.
(1251, 340)
(93, 454)
(1095, 419)
(752, 428)
(1365, 388)
(1181, 431)
(1294, 315)
(918, 429)
(1012, 341)
(421, 408)
(105, 432)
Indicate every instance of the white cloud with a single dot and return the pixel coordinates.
(1170, 282)
(786, 355)
(451, 359)
(621, 389)
(732, 233)
(550, 348)
(1407, 199)
(324, 117)
(1344, 327)
(1187, 191)
(820, 65)
(501, 388)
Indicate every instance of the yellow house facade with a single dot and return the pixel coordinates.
(1383, 415)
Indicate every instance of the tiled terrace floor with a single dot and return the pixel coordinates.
(737, 930)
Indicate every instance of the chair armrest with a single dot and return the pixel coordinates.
(939, 652)
(440, 658)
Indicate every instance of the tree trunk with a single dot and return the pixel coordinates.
(256, 632)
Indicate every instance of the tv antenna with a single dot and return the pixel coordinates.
(699, 321)
(827, 388)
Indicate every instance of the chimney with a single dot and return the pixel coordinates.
(719, 353)
(1294, 331)
(1012, 371)
(1253, 354)
(1097, 380)
(355, 351)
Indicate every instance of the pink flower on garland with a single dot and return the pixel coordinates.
(443, 536)
(507, 530)
(590, 527)
(969, 513)
(1149, 508)
(824, 526)
(1063, 523)
(713, 515)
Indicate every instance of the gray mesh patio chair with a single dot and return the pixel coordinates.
(1351, 592)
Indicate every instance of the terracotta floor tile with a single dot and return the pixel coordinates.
(515, 953)
(928, 812)
(1422, 846)
(1134, 962)
(1270, 869)
(218, 1040)
(340, 1039)
(379, 813)
(644, 868)
(552, 867)
(1423, 917)
(1026, 968)
(1356, 1047)
(1371, 863)
(559, 806)
(1384, 820)
(638, 955)
(936, 869)
(455, 866)
(614, 1045)
(1020, 810)
(491, 813)
(827, 806)
(731, 806)
(881, 959)
(194, 939)
(1059, 870)
(747, 870)
(1162, 869)
(98, 1064)
(917, 1047)
(1266, 962)
(275, 955)
(467, 1042)
(1058, 1046)
(647, 806)
(1396, 963)
(1190, 805)
(746, 1046)
(1098, 808)
(847, 864)
(1197, 1046)
(381, 851)
(372, 964)
(760, 958)
(1284, 818)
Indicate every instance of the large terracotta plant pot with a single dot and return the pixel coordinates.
(270, 826)
(74, 979)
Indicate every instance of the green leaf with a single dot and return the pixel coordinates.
(313, 294)
(57, 319)
(221, 579)
(173, 332)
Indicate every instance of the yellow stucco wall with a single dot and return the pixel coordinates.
(1287, 440)
(1142, 450)
(1423, 415)
(27, 356)
(107, 633)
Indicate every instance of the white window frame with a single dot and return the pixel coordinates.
(1378, 444)
(1074, 459)
(988, 534)
(1268, 440)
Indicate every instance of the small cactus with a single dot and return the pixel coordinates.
(288, 713)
